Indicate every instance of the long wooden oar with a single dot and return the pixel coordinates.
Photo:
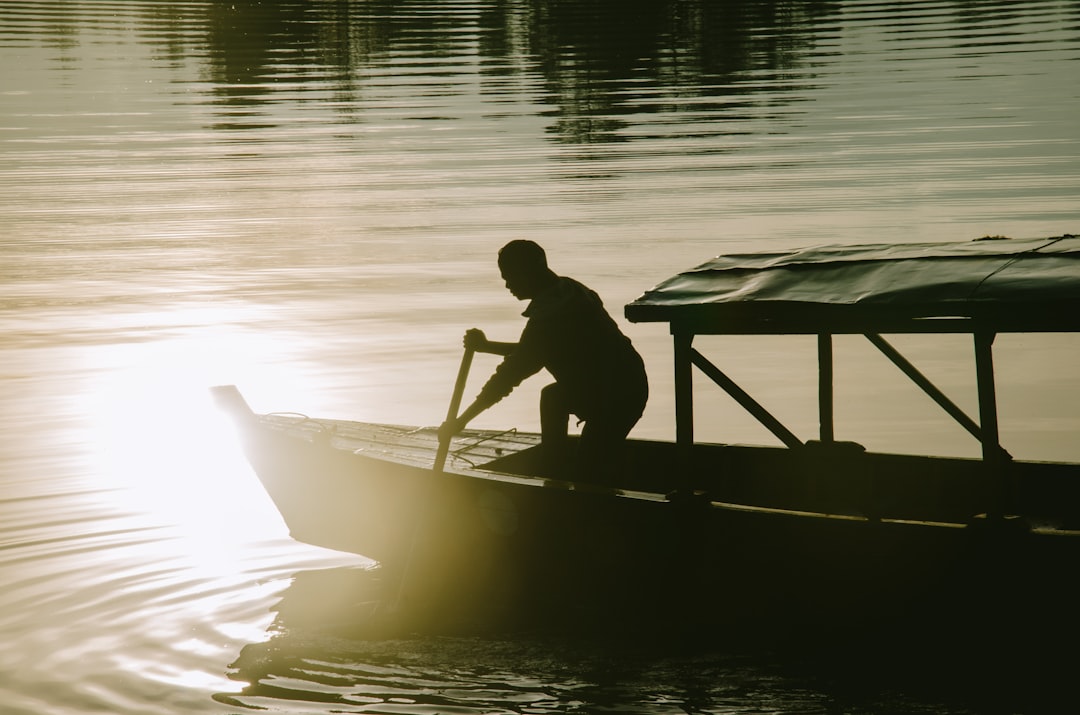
(437, 468)
(452, 412)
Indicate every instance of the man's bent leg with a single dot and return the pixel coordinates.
(601, 451)
(554, 424)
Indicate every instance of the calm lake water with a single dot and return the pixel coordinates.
(304, 198)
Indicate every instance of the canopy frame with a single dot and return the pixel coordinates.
(985, 431)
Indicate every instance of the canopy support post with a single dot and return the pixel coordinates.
(984, 371)
(825, 387)
(684, 406)
(994, 456)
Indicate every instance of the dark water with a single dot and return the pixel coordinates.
(305, 198)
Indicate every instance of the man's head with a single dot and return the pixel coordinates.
(523, 265)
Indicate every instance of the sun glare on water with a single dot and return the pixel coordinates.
(168, 453)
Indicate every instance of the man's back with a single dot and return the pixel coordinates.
(574, 337)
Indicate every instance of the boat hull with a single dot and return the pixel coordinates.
(493, 539)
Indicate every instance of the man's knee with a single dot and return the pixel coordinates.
(554, 414)
(553, 402)
(553, 394)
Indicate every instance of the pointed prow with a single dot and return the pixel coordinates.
(229, 400)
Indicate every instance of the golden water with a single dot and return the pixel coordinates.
(305, 198)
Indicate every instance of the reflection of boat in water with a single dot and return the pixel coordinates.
(327, 653)
(813, 534)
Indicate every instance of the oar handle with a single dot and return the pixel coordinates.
(455, 406)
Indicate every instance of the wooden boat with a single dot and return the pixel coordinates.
(812, 535)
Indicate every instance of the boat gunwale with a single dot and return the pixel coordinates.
(484, 471)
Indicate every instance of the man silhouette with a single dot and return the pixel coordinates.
(599, 376)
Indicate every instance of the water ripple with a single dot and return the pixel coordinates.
(305, 196)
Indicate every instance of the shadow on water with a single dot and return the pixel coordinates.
(604, 72)
(598, 65)
(329, 646)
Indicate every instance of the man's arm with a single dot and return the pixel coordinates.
(477, 341)
(518, 363)
(451, 427)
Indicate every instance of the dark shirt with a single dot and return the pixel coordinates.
(571, 335)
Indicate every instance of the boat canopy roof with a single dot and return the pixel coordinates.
(989, 284)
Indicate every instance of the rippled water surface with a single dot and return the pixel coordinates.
(305, 199)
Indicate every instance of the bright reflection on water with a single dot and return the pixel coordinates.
(304, 198)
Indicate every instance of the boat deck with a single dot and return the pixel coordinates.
(413, 446)
(837, 479)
